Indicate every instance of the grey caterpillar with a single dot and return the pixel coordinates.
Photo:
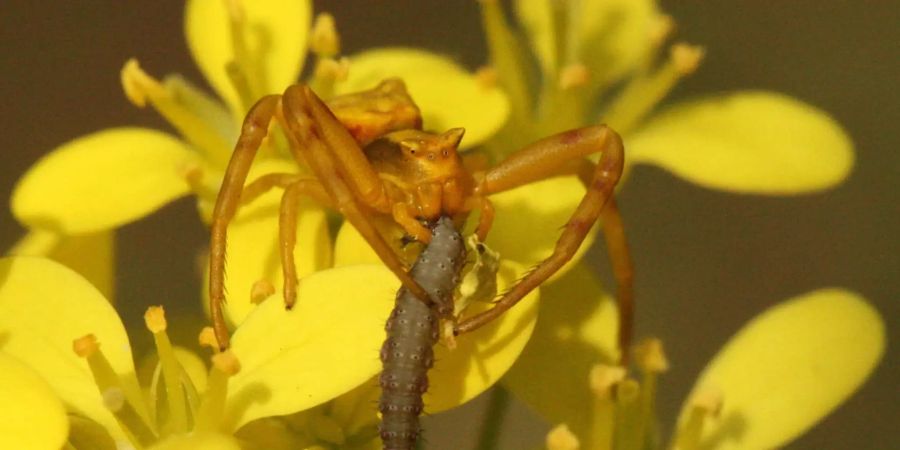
(412, 330)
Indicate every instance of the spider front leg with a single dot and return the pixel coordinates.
(253, 131)
(549, 157)
(334, 156)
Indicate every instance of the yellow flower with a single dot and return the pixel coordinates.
(281, 362)
(246, 50)
(773, 380)
(111, 177)
(604, 62)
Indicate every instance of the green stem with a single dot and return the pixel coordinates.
(489, 435)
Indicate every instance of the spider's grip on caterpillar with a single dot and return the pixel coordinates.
(370, 160)
(412, 330)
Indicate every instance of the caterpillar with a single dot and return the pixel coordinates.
(412, 330)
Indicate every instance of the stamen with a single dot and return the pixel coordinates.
(188, 119)
(207, 338)
(260, 291)
(628, 434)
(652, 361)
(195, 177)
(561, 438)
(508, 59)
(602, 379)
(328, 71)
(133, 421)
(212, 409)
(707, 401)
(650, 357)
(662, 27)
(644, 92)
(155, 319)
(324, 40)
(246, 68)
(574, 75)
(36, 242)
(486, 77)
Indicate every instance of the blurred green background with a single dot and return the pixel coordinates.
(706, 261)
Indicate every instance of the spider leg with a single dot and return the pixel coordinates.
(338, 162)
(294, 187)
(269, 181)
(485, 217)
(253, 131)
(619, 258)
(287, 231)
(552, 156)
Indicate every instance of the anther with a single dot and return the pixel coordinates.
(207, 338)
(649, 356)
(324, 39)
(603, 377)
(155, 319)
(706, 401)
(227, 363)
(332, 69)
(561, 438)
(486, 77)
(573, 76)
(686, 58)
(85, 346)
(138, 85)
(709, 399)
(660, 29)
(260, 291)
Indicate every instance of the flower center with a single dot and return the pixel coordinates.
(181, 411)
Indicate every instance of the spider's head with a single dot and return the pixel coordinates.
(433, 155)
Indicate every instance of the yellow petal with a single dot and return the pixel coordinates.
(253, 247)
(448, 95)
(789, 367)
(91, 255)
(482, 357)
(350, 248)
(327, 345)
(613, 35)
(529, 220)
(199, 441)
(44, 306)
(278, 32)
(103, 180)
(579, 320)
(32, 416)
(288, 358)
(755, 142)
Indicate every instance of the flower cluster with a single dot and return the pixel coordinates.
(294, 380)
